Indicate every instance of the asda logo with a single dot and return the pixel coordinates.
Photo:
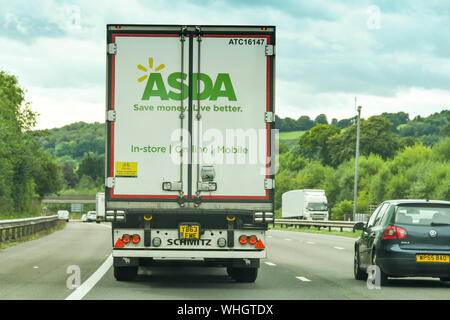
(211, 88)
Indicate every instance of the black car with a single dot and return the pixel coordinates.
(405, 238)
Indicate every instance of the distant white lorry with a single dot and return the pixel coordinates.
(308, 204)
(100, 206)
(63, 214)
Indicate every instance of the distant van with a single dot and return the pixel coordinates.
(63, 214)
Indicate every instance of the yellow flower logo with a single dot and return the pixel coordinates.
(150, 64)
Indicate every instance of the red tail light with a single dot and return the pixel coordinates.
(243, 239)
(252, 239)
(136, 238)
(393, 232)
(126, 238)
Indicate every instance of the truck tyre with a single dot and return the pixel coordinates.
(125, 273)
(243, 274)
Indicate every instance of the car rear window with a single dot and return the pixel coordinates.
(422, 215)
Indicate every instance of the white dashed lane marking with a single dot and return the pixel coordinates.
(303, 279)
(270, 263)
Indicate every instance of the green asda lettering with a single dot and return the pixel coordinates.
(221, 87)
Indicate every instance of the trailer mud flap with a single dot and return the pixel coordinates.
(125, 262)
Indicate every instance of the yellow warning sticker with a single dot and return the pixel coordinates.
(126, 169)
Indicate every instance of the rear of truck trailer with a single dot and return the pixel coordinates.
(190, 145)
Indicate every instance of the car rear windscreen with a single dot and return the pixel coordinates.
(423, 214)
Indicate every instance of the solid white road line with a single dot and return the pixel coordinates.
(303, 279)
(83, 289)
(270, 263)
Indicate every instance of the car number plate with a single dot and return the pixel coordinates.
(189, 231)
(433, 258)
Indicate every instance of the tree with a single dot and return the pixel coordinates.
(396, 119)
(46, 174)
(24, 169)
(70, 179)
(375, 137)
(321, 119)
(304, 123)
(92, 166)
(313, 144)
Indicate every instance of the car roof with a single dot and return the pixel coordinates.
(415, 201)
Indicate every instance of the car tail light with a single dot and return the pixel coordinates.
(243, 239)
(136, 238)
(401, 233)
(126, 238)
(252, 239)
(393, 232)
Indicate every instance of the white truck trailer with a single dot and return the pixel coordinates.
(309, 204)
(190, 158)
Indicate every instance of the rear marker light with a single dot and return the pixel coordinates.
(136, 238)
(243, 239)
(126, 238)
(253, 240)
(260, 245)
(119, 244)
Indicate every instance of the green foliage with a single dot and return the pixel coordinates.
(313, 144)
(92, 166)
(375, 137)
(396, 119)
(73, 142)
(427, 130)
(321, 119)
(342, 208)
(26, 172)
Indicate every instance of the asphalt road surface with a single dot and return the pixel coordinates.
(299, 266)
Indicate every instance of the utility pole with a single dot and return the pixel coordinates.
(355, 196)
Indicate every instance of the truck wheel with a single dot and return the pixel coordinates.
(243, 274)
(125, 273)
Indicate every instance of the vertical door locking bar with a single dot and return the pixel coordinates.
(182, 40)
(199, 116)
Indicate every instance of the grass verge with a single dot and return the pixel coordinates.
(344, 233)
(35, 236)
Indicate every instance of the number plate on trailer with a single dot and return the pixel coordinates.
(189, 231)
(433, 258)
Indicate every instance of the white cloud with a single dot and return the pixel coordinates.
(61, 106)
(326, 54)
(297, 101)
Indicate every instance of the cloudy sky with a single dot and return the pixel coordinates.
(393, 55)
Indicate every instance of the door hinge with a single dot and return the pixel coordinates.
(110, 182)
(112, 48)
(269, 184)
(172, 186)
(269, 116)
(270, 50)
(111, 115)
